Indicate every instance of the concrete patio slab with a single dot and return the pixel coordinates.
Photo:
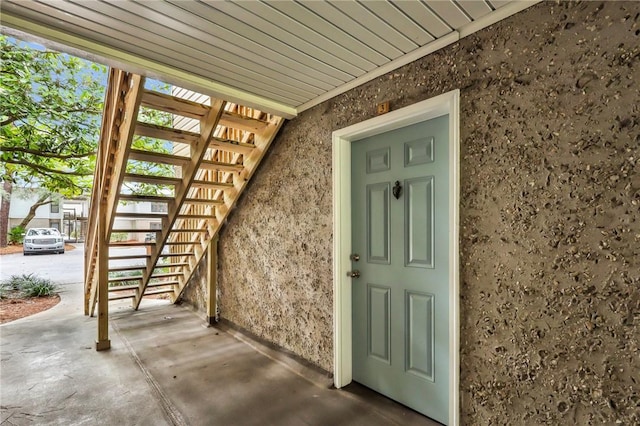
(165, 367)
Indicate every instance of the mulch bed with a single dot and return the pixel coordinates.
(13, 308)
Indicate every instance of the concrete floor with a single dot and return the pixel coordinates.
(165, 367)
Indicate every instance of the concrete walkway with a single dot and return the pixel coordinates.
(165, 368)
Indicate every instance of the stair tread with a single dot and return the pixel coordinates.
(142, 197)
(127, 268)
(208, 184)
(134, 230)
(152, 179)
(157, 157)
(152, 292)
(121, 296)
(167, 275)
(172, 104)
(202, 201)
(130, 244)
(171, 265)
(231, 145)
(218, 165)
(166, 133)
(121, 279)
(142, 215)
(135, 287)
(127, 257)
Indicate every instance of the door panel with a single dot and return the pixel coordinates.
(420, 342)
(378, 223)
(418, 222)
(379, 324)
(400, 301)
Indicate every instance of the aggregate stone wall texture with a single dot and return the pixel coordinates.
(195, 293)
(550, 220)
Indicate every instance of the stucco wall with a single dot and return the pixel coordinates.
(550, 222)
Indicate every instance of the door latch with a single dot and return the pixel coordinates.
(354, 257)
(353, 274)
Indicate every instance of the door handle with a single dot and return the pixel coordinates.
(353, 274)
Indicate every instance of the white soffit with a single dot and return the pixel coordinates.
(280, 56)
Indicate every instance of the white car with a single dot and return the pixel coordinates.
(38, 240)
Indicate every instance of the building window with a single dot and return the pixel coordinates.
(55, 207)
(159, 207)
(155, 225)
(54, 224)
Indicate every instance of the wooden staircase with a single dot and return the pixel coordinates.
(210, 168)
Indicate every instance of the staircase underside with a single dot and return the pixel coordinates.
(165, 189)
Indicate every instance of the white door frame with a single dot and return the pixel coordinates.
(447, 103)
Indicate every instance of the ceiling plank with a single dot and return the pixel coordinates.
(37, 29)
(354, 28)
(376, 25)
(244, 23)
(196, 47)
(424, 17)
(189, 26)
(475, 8)
(306, 33)
(306, 17)
(450, 13)
(394, 17)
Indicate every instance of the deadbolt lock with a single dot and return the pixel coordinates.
(354, 257)
(353, 274)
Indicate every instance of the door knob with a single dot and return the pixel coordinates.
(353, 274)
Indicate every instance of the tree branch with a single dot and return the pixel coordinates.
(9, 120)
(46, 170)
(45, 154)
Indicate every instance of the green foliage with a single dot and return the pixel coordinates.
(50, 107)
(121, 274)
(30, 285)
(39, 288)
(16, 235)
(119, 236)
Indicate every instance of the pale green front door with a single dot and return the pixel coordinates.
(401, 298)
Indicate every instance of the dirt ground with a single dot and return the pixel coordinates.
(16, 308)
(13, 308)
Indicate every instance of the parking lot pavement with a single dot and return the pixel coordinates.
(67, 268)
(64, 268)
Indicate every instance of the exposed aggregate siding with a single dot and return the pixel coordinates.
(550, 216)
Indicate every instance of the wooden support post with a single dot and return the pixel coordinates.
(212, 281)
(103, 342)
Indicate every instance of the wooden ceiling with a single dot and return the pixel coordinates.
(280, 56)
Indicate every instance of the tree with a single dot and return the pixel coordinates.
(50, 107)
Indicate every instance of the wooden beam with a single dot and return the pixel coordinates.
(103, 342)
(166, 133)
(201, 201)
(151, 179)
(231, 146)
(212, 281)
(211, 185)
(157, 157)
(149, 215)
(241, 122)
(132, 256)
(220, 166)
(174, 105)
(146, 198)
